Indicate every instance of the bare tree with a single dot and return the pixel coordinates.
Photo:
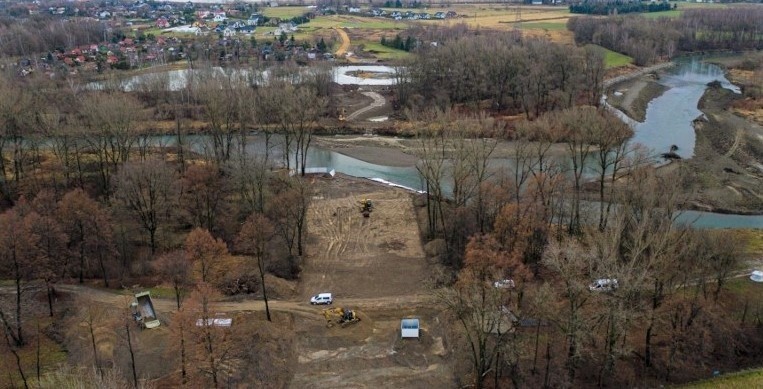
(146, 188)
(89, 229)
(16, 127)
(175, 267)
(253, 239)
(288, 211)
(18, 258)
(571, 263)
(202, 248)
(111, 121)
(432, 151)
(210, 345)
(217, 93)
(203, 196)
(56, 129)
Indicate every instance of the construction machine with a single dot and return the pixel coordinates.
(341, 316)
(366, 207)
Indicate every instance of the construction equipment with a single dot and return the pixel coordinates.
(341, 316)
(366, 207)
(143, 311)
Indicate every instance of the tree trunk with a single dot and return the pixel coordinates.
(183, 373)
(95, 349)
(50, 298)
(264, 290)
(18, 360)
(37, 354)
(103, 270)
(152, 233)
(177, 295)
(132, 355)
(534, 369)
(548, 364)
(19, 333)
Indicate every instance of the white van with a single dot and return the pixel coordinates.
(321, 298)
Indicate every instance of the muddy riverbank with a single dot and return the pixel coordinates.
(725, 173)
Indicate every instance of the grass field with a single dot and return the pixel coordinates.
(344, 21)
(613, 59)
(284, 12)
(382, 52)
(551, 26)
(741, 380)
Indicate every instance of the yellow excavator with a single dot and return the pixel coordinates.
(366, 206)
(341, 316)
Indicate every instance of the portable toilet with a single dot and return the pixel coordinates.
(409, 328)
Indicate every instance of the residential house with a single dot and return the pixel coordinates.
(219, 16)
(162, 23)
(254, 20)
(285, 28)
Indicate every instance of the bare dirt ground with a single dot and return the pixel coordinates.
(377, 266)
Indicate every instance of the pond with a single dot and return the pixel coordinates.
(378, 75)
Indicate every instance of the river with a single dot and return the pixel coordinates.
(668, 122)
(669, 117)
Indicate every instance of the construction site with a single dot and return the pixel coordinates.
(364, 247)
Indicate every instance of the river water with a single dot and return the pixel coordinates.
(668, 122)
(669, 117)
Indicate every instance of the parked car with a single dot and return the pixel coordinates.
(603, 285)
(504, 284)
(322, 298)
(757, 276)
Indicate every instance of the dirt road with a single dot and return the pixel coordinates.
(378, 101)
(342, 50)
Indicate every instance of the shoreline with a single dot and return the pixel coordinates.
(377, 150)
(632, 97)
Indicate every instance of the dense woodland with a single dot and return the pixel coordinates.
(90, 196)
(618, 7)
(44, 34)
(649, 40)
(507, 72)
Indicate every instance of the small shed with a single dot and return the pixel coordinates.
(409, 328)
